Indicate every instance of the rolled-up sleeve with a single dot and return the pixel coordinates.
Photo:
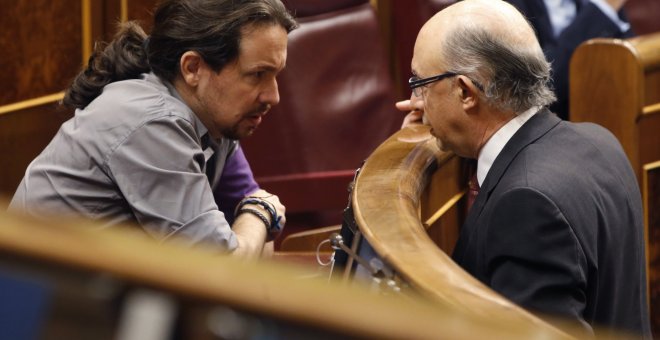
(204, 229)
(159, 169)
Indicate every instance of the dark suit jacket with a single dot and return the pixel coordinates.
(590, 22)
(557, 226)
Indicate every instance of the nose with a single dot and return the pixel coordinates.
(417, 102)
(270, 94)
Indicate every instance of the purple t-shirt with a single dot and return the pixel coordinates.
(235, 183)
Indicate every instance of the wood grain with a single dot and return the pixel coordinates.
(41, 44)
(386, 201)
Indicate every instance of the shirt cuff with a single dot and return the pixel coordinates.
(611, 13)
(209, 228)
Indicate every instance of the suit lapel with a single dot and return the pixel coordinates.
(533, 129)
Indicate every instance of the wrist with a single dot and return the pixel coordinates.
(255, 214)
(264, 210)
(258, 208)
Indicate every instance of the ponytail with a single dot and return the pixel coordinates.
(123, 58)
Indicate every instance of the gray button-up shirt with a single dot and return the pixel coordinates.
(134, 154)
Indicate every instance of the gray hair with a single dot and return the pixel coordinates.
(513, 77)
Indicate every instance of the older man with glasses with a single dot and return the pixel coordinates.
(557, 223)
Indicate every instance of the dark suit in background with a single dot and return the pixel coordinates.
(557, 226)
(590, 22)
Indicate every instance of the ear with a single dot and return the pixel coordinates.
(469, 93)
(191, 66)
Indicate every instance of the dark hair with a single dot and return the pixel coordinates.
(211, 28)
(123, 58)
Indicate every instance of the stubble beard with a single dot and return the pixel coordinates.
(237, 132)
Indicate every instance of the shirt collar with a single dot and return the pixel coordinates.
(496, 143)
(208, 144)
(199, 127)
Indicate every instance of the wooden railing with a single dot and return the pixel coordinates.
(84, 283)
(616, 83)
(387, 200)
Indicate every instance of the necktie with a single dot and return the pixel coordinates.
(473, 189)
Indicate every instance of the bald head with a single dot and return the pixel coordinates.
(498, 17)
(492, 43)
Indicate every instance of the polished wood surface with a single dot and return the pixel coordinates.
(45, 44)
(262, 289)
(23, 134)
(41, 44)
(616, 83)
(443, 203)
(309, 240)
(386, 202)
(310, 248)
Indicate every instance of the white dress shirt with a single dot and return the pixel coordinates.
(496, 143)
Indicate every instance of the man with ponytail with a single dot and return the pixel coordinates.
(157, 120)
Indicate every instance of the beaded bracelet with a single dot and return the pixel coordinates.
(255, 213)
(274, 225)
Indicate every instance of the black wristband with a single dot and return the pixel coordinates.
(274, 225)
(256, 213)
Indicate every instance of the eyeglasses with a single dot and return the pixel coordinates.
(416, 84)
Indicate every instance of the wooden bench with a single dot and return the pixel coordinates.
(616, 83)
(24, 133)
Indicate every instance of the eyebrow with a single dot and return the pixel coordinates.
(265, 67)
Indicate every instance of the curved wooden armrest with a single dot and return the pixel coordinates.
(386, 202)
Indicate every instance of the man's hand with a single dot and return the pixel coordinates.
(415, 115)
(274, 200)
(251, 231)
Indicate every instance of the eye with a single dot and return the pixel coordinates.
(258, 74)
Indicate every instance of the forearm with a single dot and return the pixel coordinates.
(251, 235)
(269, 249)
(259, 217)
